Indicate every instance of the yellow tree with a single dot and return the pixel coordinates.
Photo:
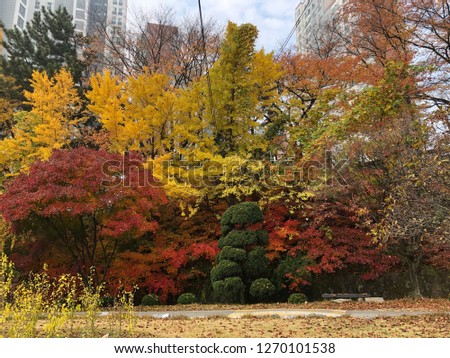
(50, 124)
(135, 114)
(243, 88)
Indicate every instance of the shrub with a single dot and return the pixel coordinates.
(256, 264)
(225, 268)
(238, 238)
(239, 262)
(229, 290)
(186, 299)
(247, 213)
(107, 301)
(150, 300)
(263, 237)
(232, 254)
(297, 298)
(262, 290)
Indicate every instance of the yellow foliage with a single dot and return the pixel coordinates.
(49, 125)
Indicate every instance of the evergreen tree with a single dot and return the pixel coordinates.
(48, 43)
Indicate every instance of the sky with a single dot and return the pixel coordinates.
(274, 18)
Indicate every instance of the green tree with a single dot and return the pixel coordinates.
(48, 43)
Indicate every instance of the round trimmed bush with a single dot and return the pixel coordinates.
(262, 290)
(229, 290)
(297, 298)
(247, 213)
(186, 299)
(150, 300)
(223, 269)
(232, 254)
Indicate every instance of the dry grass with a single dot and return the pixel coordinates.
(433, 325)
(426, 304)
(427, 326)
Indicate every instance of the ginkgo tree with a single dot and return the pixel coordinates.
(50, 124)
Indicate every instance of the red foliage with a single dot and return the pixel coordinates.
(86, 202)
(328, 235)
(177, 260)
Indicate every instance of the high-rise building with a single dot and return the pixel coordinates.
(107, 13)
(15, 12)
(86, 13)
(19, 12)
(89, 16)
(106, 25)
(311, 17)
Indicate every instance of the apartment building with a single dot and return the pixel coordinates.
(311, 17)
(16, 13)
(86, 13)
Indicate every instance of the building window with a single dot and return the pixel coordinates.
(22, 10)
(37, 5)
(79, 25)
(20, 22)
(81, 4)
(79, 14)
(49, 6)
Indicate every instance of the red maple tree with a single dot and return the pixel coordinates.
(87, 203)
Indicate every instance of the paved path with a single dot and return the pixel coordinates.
(283, 313)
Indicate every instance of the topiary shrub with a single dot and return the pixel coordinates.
(242, 258)
(186, 299)
(225, 268)
(256, 264)
(297, 298)
(247, 213)
(263, 237)
(238, 238)
(150, 300)
(262, 290)
(229, 290)
(233, 254)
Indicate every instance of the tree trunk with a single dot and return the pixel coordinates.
(413, 265)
